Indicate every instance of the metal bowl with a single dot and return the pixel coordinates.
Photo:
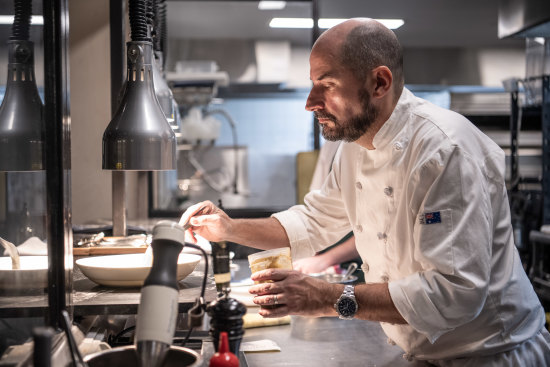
(128, 357)
(336, 278)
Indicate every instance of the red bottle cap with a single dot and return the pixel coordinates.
(224, 358)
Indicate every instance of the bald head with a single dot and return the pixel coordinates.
(362, 45)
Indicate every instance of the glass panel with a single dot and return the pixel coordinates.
(23, 297)
(241, 103)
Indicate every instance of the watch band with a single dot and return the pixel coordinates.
(349, 290)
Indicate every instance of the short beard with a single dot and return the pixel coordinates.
(355, 127)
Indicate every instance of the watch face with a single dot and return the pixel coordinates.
(347, 307)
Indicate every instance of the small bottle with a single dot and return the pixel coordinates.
(223, 357)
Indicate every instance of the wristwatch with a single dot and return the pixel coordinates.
(347, 306)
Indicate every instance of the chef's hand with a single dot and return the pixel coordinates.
(208, 221)
(294, 293)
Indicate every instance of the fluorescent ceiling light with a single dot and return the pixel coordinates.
(325, 22)
(291, 23)
(271, 5)
(35, 20)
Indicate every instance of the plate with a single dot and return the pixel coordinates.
(129, 270)
(32, 275)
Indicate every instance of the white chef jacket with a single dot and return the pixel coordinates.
(324, 163)
(430, 215)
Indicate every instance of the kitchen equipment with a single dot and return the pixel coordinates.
(335, 278)
(99, 244)
(157, 312)
(224, 358)
(128, 357)
(226, 314)
(130, 270)
(22, 128)
(78, 361)
(349, 271)
(42, 349)
(345, 278)
(32, 274)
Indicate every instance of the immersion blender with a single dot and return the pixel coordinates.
(158, 307)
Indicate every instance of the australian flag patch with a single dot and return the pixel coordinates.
(430, 218)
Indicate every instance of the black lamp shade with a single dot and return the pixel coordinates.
(21, 113)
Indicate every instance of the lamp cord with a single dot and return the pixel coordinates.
(21, 20)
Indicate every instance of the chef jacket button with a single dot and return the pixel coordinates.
(385, 278)
(390, 341)
(359, 228)
(365, 267)
(397, 145)
(388, 191)
(382, 236)
(358, 185)
(409, 357)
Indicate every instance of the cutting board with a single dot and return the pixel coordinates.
(108, 250)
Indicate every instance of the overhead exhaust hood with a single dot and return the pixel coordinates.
(523, 18)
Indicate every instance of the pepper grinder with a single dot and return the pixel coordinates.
(221, 263)
(158, 307)
(226, 314)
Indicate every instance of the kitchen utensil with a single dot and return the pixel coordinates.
(187, 224)
(32, 274)
(349, 271)
(157, 311)
(129, 270)
(226, 314)
(75, 353)
(42, 349)
(128, 357)
(93, 240)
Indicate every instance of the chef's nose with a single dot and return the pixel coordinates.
(314, 101)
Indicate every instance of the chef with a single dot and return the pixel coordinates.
(423, 191)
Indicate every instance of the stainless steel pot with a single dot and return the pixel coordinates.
(336, 278)
(128, 357)
(345, 278)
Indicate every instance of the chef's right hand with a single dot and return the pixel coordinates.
(208, 221)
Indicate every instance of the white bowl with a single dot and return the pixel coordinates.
(32, 275)
(129, 270)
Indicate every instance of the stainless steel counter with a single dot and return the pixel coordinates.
(322, 342)
(326, 342)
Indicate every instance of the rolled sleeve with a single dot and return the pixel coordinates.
(417, 308)
(300, 246)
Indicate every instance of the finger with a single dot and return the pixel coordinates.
(200, 220)
(270, 274)
(190, 212)
(279, 311)
(269, 300)
(264, 288)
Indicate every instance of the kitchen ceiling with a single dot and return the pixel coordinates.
(428, 23)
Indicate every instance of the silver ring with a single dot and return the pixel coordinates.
(276, 302)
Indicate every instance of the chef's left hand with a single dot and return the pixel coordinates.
(294, 293)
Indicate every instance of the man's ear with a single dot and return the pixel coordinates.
(383, 80)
